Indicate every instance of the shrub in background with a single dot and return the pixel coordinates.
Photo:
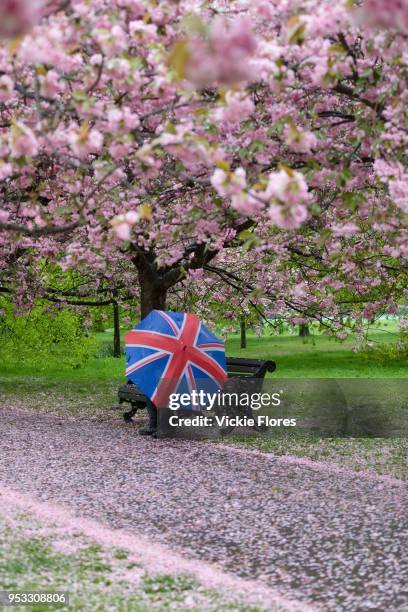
(386, 352)
(44, 336)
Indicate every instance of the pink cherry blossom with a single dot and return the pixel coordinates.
(287, 186)
(228, 183)
(51, 85)
(17, 16)
(238, 107)
(384, 14)
(23, 142)
(122, 224)
(399, 192)
(287, 217)
(112, 40)
(247, 204)
(132, 217)
(6, 88)
(347, 229)
(276, 126)
(84, 142)
(223, 56)
(5, 170)
(298, 140)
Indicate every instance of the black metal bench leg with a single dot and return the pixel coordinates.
(130, 414)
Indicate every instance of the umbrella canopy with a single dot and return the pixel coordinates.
(173, 352)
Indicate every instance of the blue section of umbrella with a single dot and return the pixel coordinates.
(174, 353)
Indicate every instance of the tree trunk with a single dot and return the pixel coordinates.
(116, 330)
(152, 295)
(243, 333)
(304, 331)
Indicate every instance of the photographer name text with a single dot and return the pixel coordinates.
(228, 421)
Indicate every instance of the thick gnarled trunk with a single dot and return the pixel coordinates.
(154, 282)
(152, 294)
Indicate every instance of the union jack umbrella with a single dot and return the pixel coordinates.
(172, 352)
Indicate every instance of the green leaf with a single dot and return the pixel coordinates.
(336, 49)
(193, 24)
(179, 57)
(245, 234)
(296, 30)
(224, 165)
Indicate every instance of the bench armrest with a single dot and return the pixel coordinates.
(267, 366)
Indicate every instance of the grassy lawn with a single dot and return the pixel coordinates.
(90, 391)
(387, 457)
(318, 357)
(87, 392)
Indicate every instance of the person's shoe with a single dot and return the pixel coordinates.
(147, 431)
(158, 435)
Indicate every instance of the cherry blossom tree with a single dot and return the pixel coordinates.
(156, 143)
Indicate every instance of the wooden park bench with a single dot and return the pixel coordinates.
(238, 368)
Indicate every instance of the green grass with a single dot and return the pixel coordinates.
(388, 457)
(317, 357)
(91, 390)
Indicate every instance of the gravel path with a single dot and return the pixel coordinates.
(329, 538)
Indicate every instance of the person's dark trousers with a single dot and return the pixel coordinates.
(152, 411)
(156, 429)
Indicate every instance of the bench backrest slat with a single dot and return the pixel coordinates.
(242, 369)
